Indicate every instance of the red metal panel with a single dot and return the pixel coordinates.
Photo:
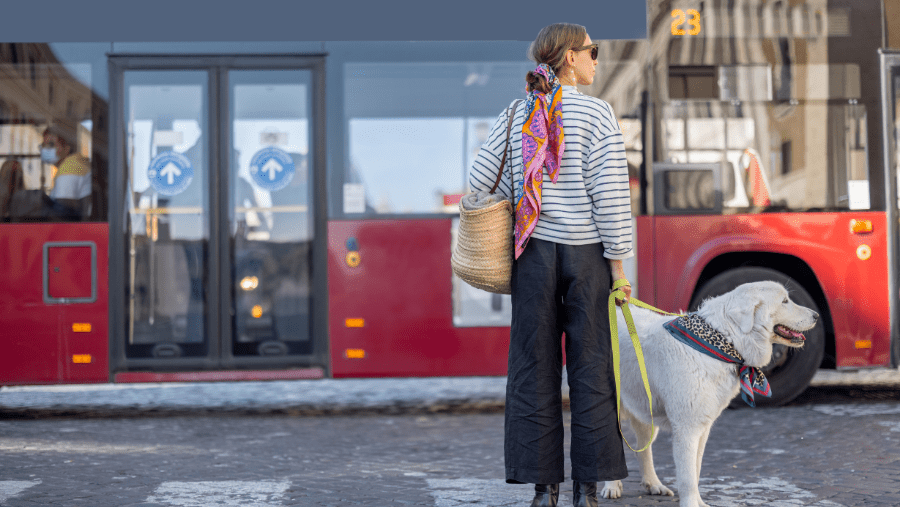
(856, 289)
(401, 290)
(51, 343)
(69, 271)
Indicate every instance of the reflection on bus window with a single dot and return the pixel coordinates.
(413, 130)
(773, 151)
(49, 169)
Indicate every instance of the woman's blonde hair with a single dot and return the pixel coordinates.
(550, 47)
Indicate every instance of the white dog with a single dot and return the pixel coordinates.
(691, 389)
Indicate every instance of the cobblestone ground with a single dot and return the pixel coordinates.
(816, 454)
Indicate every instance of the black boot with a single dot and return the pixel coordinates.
(545, 495)
(584, 494)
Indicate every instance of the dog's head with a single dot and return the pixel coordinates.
(756, 315)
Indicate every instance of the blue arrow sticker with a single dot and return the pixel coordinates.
(170, 173)
(271, 169)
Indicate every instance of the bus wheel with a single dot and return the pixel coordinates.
(790, 370)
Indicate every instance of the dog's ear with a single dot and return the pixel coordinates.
(743, 311)
(748, 317)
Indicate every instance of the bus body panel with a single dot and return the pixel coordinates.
(645, 252)
(401, 290)
(855, 288)
(53, 342)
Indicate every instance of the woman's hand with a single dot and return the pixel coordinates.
(618, 273)
(627, 290)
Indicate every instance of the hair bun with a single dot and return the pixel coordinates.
(537, 82)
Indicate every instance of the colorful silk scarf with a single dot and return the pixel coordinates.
(693, 331)
(542, 145)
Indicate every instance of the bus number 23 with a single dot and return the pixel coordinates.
(680, 17)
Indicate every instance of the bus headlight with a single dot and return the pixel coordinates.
(249, 282)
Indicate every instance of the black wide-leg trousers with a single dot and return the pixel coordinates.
(558, 289)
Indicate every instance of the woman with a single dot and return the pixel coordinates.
(573, 228)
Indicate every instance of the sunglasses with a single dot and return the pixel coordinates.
(593, 47)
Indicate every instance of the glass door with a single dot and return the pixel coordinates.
(168, 213)
(270, 211)
(219, 216)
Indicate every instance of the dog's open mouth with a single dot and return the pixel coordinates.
(789, 334)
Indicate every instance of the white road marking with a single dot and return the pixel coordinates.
(768, 491)
(9, 489)
(33, 445)
(221, 493)
(859, 410)
(474, 492)
(894, 426)
(721, 492)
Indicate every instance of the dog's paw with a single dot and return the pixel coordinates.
(657, 488)
(611, 489)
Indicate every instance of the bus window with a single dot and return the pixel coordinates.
(773, 151)
(49, 167)
(413, 130)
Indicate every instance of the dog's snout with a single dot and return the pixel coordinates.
(815, 317)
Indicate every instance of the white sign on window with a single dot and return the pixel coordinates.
(858, 191)
(168, 137)
(354, 198)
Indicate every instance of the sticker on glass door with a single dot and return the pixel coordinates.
(170, 173)
(271, 169)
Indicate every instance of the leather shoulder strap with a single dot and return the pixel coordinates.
(506, 148)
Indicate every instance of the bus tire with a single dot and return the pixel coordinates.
(790, 370)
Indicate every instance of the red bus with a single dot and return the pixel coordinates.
(287, 210)
(774, 141)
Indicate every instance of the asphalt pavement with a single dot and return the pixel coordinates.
(815, 455)
(435, 442)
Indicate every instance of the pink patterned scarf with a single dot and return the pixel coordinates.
(542, 145)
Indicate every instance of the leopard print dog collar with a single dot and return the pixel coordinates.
(693, 331)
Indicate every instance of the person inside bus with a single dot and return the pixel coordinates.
(72, 185)
(12, 181)
(569, 186)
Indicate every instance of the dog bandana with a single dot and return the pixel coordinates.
(542, 145)
(693, 331)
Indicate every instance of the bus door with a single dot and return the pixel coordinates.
(216, 240)
(890, 73)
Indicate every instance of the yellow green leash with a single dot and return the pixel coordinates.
(618, 293)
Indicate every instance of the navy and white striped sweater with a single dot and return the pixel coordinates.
(590, 201)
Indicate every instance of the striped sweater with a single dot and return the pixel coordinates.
(590, 201)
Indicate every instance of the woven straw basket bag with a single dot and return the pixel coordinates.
(484, 245)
